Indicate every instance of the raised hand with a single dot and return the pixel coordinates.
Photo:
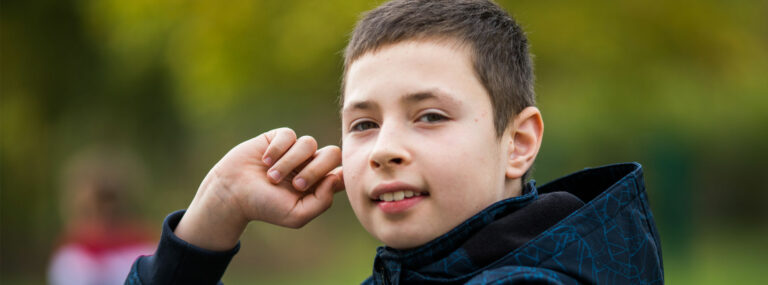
(275, 178)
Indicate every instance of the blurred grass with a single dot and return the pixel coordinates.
(720, 256)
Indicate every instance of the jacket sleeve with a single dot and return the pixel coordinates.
(178, 262)
(521, 275)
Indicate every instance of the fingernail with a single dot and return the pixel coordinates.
(268, 161)
(275, 175)
(301, 183)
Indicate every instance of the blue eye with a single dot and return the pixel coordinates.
(364, 125)
(432, 118)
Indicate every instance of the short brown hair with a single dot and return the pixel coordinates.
(499, 47)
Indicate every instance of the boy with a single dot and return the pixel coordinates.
(439, 131)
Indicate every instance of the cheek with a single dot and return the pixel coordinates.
(461, 154)
(463, 165)
(353, 162)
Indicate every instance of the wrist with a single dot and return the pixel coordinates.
(212, 221)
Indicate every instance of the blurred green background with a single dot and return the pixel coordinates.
(679, 86)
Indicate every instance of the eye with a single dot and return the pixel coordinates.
(362, 126)
(432, 118)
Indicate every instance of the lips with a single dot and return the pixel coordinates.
(395, 191)
(397, 197)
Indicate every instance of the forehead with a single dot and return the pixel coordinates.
(441, 68)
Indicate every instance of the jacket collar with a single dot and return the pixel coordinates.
(389, 261)
(589, 185)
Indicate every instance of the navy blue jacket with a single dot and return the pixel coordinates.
(593, 226)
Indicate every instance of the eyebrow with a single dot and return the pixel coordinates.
(410, 98)
(362, 105)
(434, 94)
(418, 97)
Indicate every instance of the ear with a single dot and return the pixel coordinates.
(525, 135)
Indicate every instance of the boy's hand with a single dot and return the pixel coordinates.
(275, 178)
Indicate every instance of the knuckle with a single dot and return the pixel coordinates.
(290, 133)
(262, 139)
(330, 154)
(287, 132)
(282, 129)
(281, 146)
(309, 141)
(269, 135)
(332, 150)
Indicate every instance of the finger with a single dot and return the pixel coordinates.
(339, 184)
(324, 160)
(301, 151)
(315, 203)
(280, 140)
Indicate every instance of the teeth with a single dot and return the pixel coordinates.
(397, 196)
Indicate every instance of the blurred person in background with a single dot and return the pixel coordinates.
(102, 236)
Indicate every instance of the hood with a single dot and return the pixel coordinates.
(592, 226)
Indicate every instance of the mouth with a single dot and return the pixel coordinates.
(397, 197)
(395, 191)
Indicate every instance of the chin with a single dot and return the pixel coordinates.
(400, 238)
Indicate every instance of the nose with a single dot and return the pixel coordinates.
(390, 150)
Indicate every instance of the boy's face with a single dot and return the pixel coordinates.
(417, 122)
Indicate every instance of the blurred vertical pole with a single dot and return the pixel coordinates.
(44, 59)
(671, 194)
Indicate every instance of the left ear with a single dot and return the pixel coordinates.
(525, 134)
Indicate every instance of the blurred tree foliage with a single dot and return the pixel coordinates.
(678, 85)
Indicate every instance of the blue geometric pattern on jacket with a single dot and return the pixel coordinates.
(612, 239)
